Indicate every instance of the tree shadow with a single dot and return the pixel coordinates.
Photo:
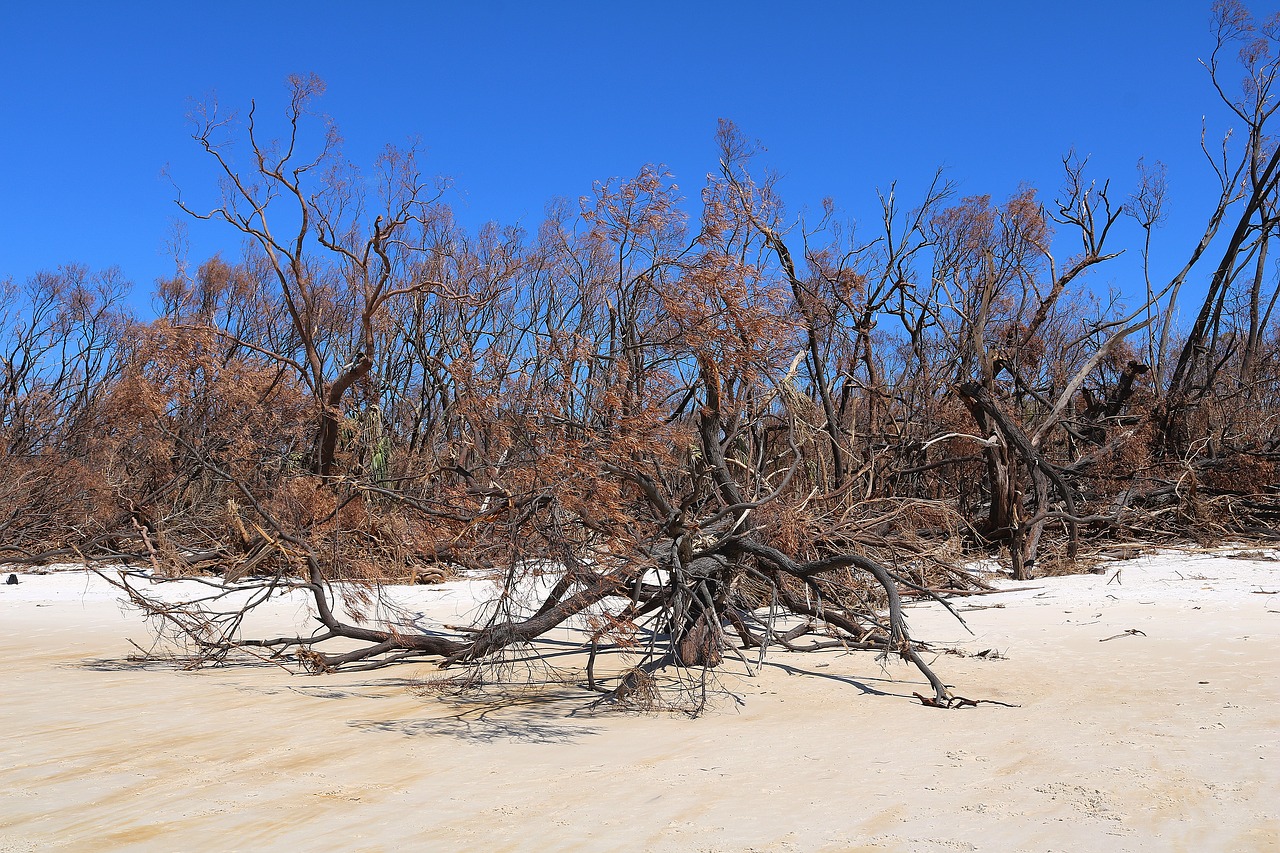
(524, 716)
(859, 683)
(151, 663)
(376, 688)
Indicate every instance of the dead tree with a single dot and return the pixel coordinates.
(623, 417)
(325, 243)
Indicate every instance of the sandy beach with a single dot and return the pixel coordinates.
(1133, 710)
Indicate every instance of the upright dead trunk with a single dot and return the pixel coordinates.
(331, 414)
(1009, 517)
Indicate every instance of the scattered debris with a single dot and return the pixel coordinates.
(959, 702)
(1132, 632)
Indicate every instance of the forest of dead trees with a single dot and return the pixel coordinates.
(676, 411)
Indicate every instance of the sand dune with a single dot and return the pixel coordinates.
(1162, 739)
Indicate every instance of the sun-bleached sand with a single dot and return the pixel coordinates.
(1164, 739)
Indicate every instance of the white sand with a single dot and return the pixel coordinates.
(1164, 740)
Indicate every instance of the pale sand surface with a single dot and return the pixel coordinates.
(1115, 745)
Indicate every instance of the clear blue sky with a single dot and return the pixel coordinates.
(520, 102)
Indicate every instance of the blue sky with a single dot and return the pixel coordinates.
(521, 102)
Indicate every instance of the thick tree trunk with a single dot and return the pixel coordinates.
(326, 451)
(1024, 528)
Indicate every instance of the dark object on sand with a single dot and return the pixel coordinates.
(13, 580)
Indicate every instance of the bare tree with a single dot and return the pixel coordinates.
(323, 242)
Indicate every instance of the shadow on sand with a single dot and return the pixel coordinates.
(139, 663)
(521, 716)
(859, 683)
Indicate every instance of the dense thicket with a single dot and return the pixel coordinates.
(677, 413)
